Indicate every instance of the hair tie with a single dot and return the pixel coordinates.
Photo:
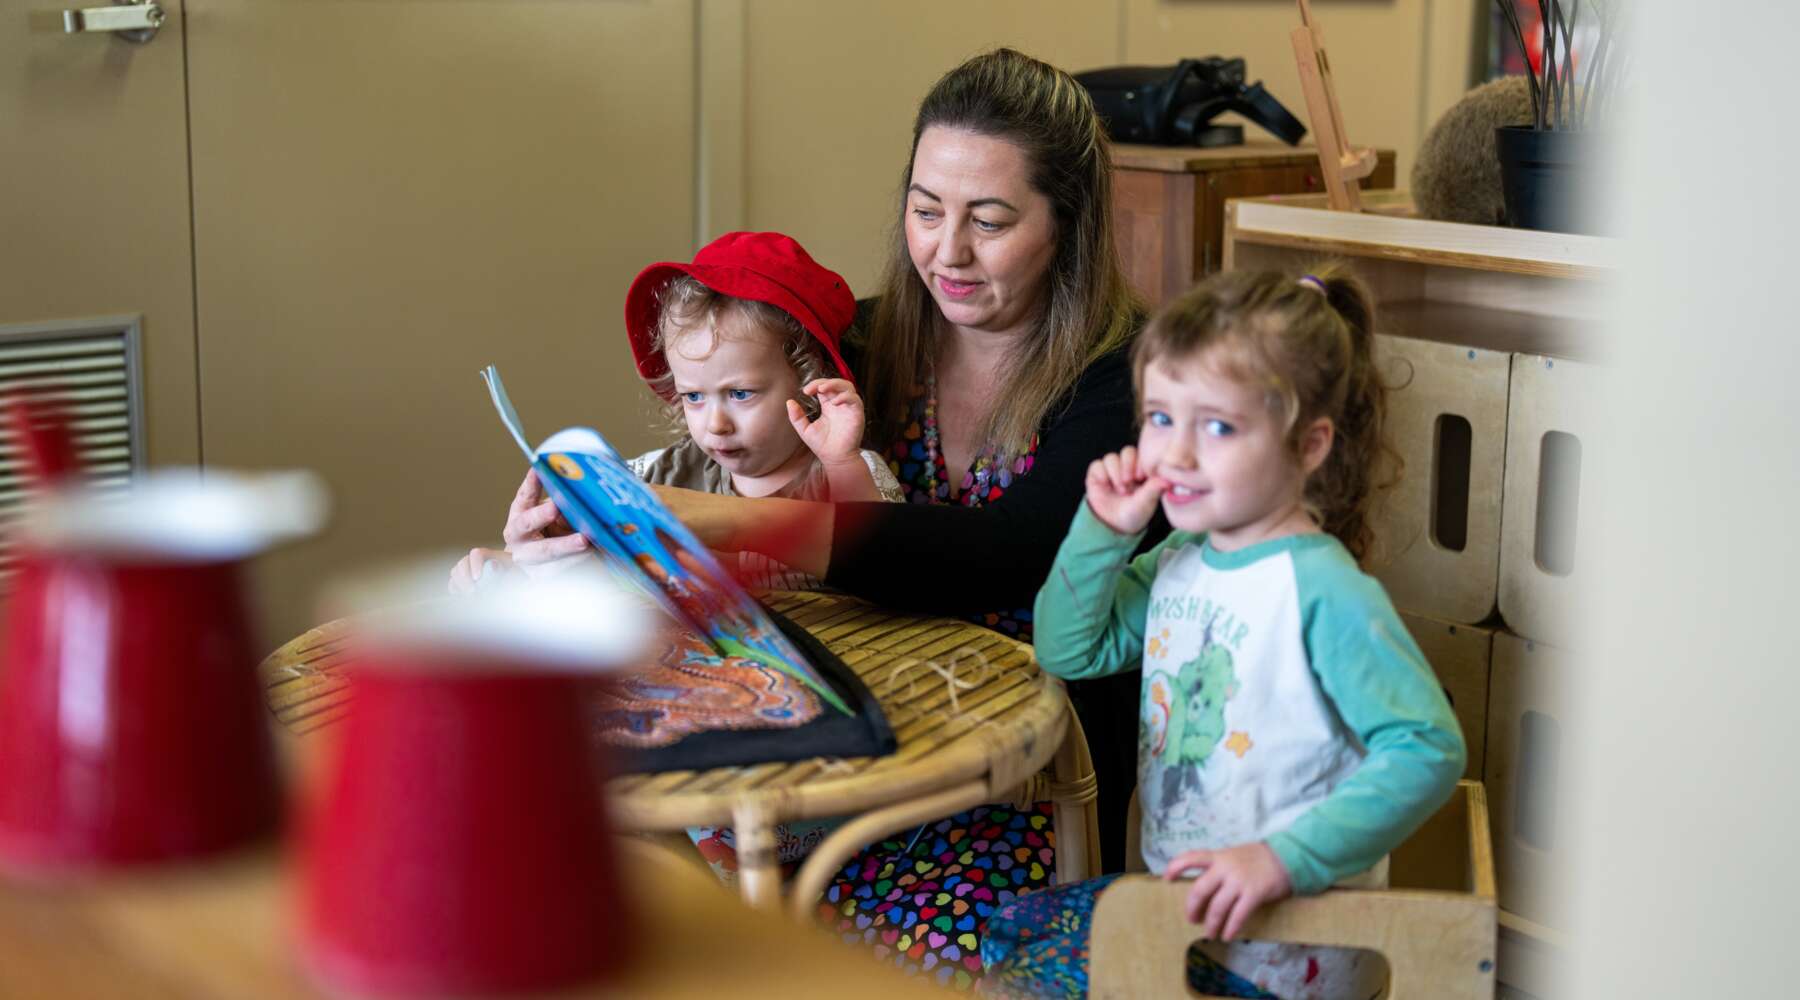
(1315, 284)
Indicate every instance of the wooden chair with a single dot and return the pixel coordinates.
(1435, 925)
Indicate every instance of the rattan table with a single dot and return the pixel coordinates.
(975, 718)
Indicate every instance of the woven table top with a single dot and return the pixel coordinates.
(964, 702)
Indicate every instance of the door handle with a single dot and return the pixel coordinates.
(134, 22)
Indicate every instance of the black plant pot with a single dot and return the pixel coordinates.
(1547, 179)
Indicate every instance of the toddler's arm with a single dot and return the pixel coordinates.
(1386, 693)
(1089, 617)
(835, 436)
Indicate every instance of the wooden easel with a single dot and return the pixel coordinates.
(1340, 165)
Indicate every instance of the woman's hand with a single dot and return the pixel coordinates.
(720, 522)
(835, 435)
(794, 532)
(1122, 493)
(1235, 881)
(536, 535)
(470, 570)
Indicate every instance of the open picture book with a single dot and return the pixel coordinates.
(734, 675)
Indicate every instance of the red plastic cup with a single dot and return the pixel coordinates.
(459, 841)
(132, 726)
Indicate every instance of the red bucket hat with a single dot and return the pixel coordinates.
(765, 267)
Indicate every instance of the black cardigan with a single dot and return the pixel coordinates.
(1003, 551)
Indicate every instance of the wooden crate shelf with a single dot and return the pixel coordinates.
(1490, 329)
(1388, 230)
(1437, 532)
(1527, 775)
(1546, 527)
(1532, 960)
(1462, 656)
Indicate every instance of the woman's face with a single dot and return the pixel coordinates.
(981, 237)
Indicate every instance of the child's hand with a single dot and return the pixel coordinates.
(480, 565)
(1123, 494)
(1235, 881)
(536, 534)
(836, 434)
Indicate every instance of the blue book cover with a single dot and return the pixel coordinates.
(621, 517)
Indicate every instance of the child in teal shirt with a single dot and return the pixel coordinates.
(1292, 734)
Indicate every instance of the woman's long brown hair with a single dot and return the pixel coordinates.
(1088, 308)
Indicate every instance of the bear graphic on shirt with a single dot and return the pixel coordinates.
(1195, 724)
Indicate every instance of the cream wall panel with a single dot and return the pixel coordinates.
(1453, 61)
(94, 199)
(831, 92)
(390, 195)
(1377, 50)
(720, 131)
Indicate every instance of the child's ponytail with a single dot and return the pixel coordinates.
(1341, 490)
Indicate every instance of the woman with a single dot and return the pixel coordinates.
(994, 367)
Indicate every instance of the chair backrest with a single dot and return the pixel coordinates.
(1436, 927)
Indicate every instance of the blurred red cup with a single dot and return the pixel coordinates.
(132, 727)
(458, 842)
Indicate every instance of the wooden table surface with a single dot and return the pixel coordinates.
(219, 932)
(974, 717)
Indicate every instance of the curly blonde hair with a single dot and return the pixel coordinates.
(685, 306)
(1314, 355)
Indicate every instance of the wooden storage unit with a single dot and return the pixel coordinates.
(1458, 305)
(1419, 256)
(1437, 533)
(1499, 327)
(1461, 655)
(1542, 553)
(1525, 774)
(1169, 203)
(1449, 368)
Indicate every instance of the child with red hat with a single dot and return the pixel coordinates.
(742, 343)
(734, 342)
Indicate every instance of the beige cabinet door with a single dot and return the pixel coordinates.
(96, 262)
(389, 196)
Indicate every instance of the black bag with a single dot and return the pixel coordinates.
(1175, 105)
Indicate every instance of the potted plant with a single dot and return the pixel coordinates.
(1545, 166)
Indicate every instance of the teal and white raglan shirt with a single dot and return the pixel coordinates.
(1283, 701)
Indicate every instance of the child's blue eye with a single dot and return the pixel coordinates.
(692, 398)
(739, 395)
(1158, 418)
(1219, 428)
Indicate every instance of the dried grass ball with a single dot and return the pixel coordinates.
(1457, 176)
